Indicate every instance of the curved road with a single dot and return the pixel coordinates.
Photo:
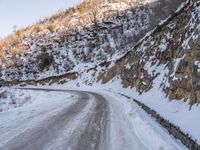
(90, 123)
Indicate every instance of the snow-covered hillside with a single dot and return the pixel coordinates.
(168, 59)
(79, 35)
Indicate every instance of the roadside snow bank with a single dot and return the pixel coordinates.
(40, 106)
(177, 112)
(129, 115)
(14, 98)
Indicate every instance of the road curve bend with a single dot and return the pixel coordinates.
(91, 122)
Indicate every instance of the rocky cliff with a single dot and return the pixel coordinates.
(167, 59)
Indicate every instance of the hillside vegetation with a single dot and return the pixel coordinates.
(93, 32)
(166, 59)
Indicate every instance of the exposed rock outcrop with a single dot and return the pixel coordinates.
(167, 59)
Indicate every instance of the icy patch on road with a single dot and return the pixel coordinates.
(73, 129)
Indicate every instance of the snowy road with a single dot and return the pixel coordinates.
(79, 121)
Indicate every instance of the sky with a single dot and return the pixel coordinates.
(25, 12)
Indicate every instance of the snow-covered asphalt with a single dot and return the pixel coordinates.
(80, 121)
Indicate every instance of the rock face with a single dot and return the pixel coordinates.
(93, 32)
(169, 58)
